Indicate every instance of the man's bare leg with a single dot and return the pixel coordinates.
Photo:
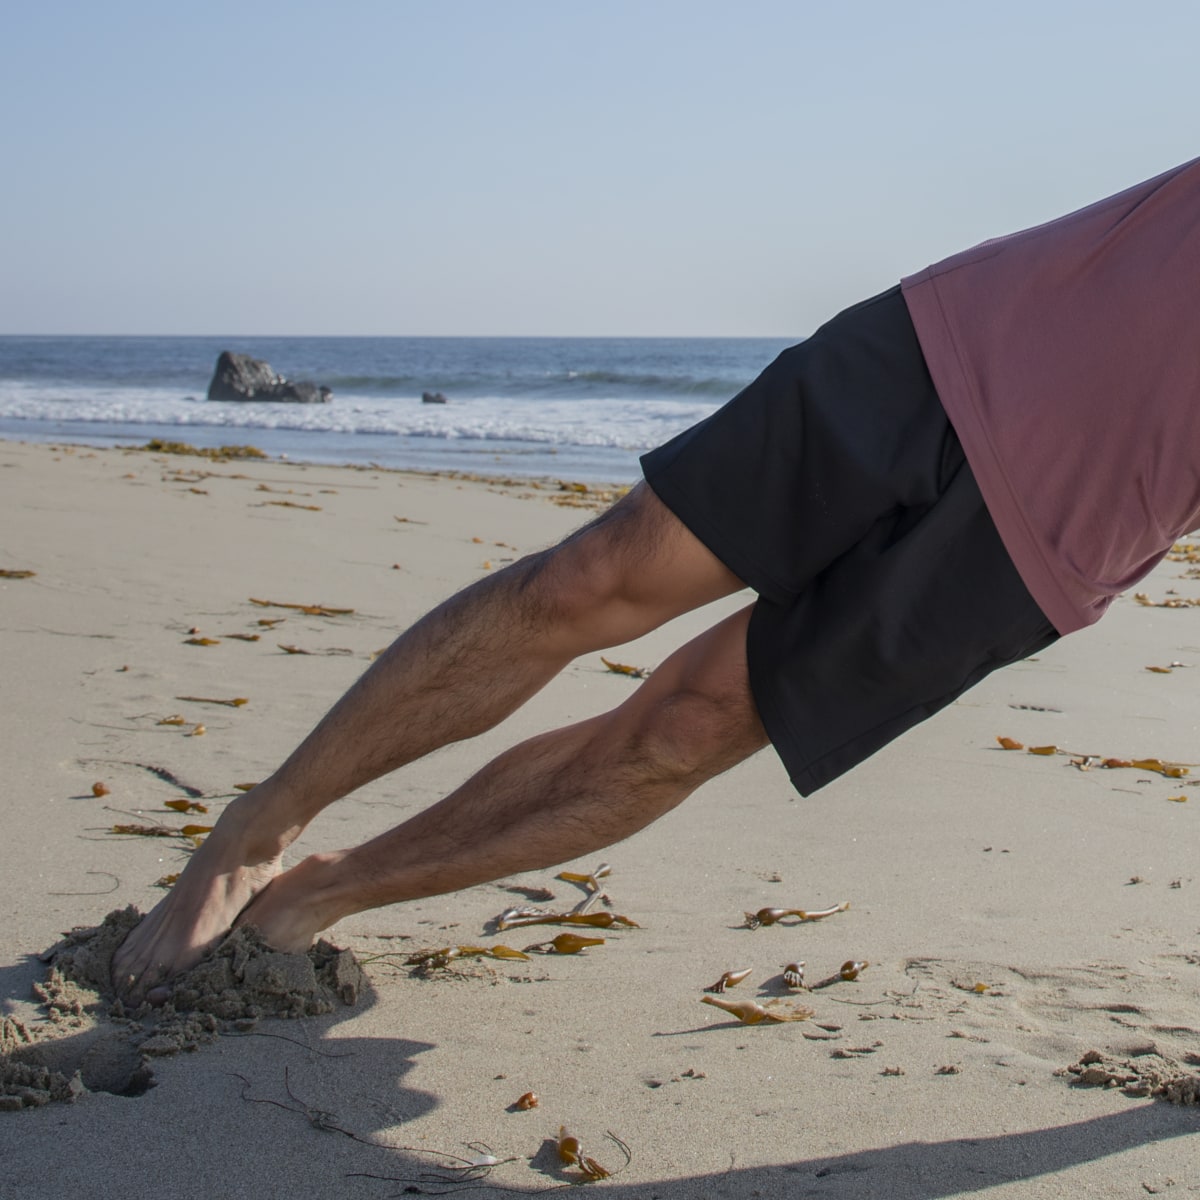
(460, 670)
(555, 797)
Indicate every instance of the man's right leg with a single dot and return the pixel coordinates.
(457, 672)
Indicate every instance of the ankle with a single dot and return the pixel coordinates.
(317, 892)
(263, 821)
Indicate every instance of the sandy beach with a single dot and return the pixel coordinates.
(1020, 913)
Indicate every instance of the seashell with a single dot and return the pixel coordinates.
(525, 1102)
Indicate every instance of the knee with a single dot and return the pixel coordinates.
(687, 737)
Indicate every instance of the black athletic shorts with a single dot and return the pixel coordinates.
(836, 488)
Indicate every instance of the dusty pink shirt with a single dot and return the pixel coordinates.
(1068, 359)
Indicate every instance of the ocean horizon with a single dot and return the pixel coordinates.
(579, 408)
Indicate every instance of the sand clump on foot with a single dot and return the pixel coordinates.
(93, 1041)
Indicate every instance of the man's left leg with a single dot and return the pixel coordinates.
(555, 797)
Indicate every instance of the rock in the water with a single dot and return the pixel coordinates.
(433, 398)
(240, 377)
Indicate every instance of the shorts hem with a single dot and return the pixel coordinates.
(717, 541)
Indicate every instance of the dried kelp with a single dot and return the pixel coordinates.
(774, 916)
(749, 1012)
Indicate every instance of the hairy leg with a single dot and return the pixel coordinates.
(555, 797)
(458, 671)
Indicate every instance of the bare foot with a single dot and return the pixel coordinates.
(234, 864)
(298, 904)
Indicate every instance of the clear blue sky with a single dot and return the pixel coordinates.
(621, 167)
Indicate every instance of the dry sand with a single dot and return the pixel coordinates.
(1021, 916)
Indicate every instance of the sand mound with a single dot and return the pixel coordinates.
(93, 1041)
(1148, 1074)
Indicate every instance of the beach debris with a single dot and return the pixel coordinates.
(309, 610)
(243, 637)
(592, 881)
(1168, 770)
(526, 1101)
(565, 943)
(518, 916)
(196, 731)
(773, 916)
(185, 806)
(728, 980)
(624, 669)
(290, 504)
(1145, 1074)
(244, 787)
(100, 789)
(270, 622)
(173, 719)
(1171, 602)
(9, 573)
(435, 959)
(292, 649)
(1177, 799)
(750, 1012)
(570, 1152)
(202, 641)
(514, 918)
(1084, 762)
(186, 831)
(848, 972)
(793, 976)
(530, 893)
(145, 831)
(979, 989)
(469, 1172)
(591, 885)
(236, 702)
(158, 446)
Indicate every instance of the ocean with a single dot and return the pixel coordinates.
(570, 408)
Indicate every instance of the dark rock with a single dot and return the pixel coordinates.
(433, 398)
(240, 377)
(301, 393)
